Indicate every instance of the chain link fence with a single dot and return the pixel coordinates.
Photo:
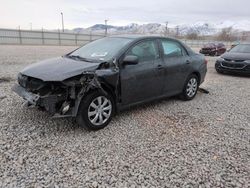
(28, 37)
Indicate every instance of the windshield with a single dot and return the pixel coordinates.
(241, 48)
(103, 49)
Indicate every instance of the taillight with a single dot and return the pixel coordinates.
(206, 62)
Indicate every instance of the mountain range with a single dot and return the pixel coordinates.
(201, 28)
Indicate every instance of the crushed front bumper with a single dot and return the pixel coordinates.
(48, 102)
(31, 98)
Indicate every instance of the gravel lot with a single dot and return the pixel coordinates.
(171, 143)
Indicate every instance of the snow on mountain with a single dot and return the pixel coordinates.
(200, 28)
(243, 25)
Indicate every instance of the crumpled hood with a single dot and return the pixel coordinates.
(236, 56)
(58, 69)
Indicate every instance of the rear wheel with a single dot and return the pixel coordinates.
(190, 88)
(96, 110)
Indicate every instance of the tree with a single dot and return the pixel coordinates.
(227, 34)
(192, 36)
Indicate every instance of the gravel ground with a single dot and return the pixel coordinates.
(170, 143)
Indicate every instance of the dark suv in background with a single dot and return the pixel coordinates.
(236, 61)
(213, 49)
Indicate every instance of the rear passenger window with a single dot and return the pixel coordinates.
(172, 49)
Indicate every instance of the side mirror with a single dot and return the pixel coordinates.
(130, 60)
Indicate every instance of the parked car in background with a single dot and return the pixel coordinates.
(237, 60)
(111, 74)
(213, 49)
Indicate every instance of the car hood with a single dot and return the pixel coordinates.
(236, 56)
(58, 69)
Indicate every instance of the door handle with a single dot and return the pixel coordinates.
(188, 62)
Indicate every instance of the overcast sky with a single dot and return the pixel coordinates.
(84, 13)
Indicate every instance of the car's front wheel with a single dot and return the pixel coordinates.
(96, 110)
(219, 71)
(190, 88)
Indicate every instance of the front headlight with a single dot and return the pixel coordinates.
(22, 80)
(220, 59)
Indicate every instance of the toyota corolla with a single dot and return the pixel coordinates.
(105, 76)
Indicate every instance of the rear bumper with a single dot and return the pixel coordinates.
(208, 52)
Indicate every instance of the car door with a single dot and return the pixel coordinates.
(143, 81)
(176, 63)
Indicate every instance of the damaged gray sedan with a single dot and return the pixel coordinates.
(105, 76)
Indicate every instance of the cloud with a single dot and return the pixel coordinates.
(83, 13)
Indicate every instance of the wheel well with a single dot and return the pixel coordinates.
(106, 88)
(109, 90)
(198, 75)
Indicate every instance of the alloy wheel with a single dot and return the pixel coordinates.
(100, 110)
(191, 87)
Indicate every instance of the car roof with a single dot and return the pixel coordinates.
(137, 37)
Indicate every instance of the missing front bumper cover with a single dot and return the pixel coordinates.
(48, 102)
(31, 98)
(55, 102)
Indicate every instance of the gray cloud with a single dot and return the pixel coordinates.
(80, 13)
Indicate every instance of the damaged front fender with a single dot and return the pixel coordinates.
(88, 81)
(61, 99)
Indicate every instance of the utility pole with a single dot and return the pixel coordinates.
(106, 27)
(166, 28)
(62, 22)
(177, 31)
(20, 35)
(31, 26)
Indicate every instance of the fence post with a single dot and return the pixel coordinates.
(59, 37)
(42, 37)
(90, 36)
(20, 35)
(76, 39)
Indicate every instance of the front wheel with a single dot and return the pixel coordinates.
(96, 110)
(190, 88)
(219, 71)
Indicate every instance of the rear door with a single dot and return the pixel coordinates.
(143, 81)
(176, 63)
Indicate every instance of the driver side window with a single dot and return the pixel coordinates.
(145, 51)
(172, 49)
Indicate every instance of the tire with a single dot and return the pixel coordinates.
(190, 88)
(219, 71)
(95, 111)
